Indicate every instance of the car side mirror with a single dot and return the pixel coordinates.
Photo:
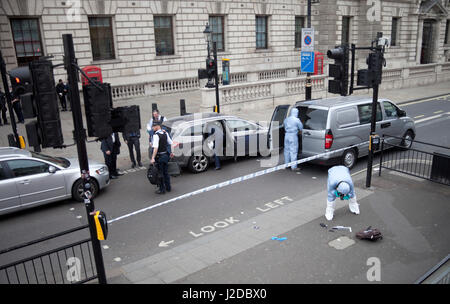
(401, 113)
(51, 169)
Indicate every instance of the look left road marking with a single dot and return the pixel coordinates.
(217, 225)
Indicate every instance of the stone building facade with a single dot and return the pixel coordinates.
(151, 45)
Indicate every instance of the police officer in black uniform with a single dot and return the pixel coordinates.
(161, 143)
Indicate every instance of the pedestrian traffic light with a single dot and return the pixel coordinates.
(46, 103)
(339, 70)
(97, 104)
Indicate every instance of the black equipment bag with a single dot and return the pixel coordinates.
(153, 174)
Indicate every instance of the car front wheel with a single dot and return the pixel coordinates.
(77, 190)
(198, 163)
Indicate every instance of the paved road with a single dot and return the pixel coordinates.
(189, 219)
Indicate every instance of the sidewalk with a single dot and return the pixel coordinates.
(412, 214)
(169, 106)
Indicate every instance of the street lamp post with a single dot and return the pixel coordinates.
(208, 36)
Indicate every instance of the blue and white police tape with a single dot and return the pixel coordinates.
(234, 181)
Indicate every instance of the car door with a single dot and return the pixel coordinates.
(9, 199)
(276, 129)
(392, 124)
(36, 185)
(245, 136)
(314, 120)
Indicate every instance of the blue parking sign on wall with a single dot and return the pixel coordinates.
(307, 62)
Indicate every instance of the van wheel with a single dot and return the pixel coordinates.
(349, 158)
(198, 163)
(77, 190)
(407, 140)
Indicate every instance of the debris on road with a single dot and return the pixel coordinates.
(342, 228)
(279, 239)
(369, 234)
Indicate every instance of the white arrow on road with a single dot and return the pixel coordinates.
(165, 244)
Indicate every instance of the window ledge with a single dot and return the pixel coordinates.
(167, 57)
(106, 61)
(268, 50)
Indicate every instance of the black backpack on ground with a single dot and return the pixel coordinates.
(153, 175)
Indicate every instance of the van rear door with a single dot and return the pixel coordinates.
(276, 129)
(314, 120)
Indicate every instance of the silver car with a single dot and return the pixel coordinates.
(338, 122)
(29, 179)
(191, 135)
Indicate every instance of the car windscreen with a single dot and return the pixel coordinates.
(60, 161)
(313, 119)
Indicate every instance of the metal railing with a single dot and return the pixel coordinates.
(70, 264)
(439, 274)
(431, 166)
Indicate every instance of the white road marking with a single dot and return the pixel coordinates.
(165, 244)
(428, 118)
(117, 259)
(440, 111)
(424, 100)
(419, 116)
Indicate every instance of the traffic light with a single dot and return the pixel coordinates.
(21, 82)
(375, 64)
(210, 68)
(46, 103)
(372, 75)
(339, 70)
(98, 104)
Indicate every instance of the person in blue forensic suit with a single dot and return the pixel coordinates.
(292, 126)
(340, 185)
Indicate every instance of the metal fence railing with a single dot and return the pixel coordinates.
(439, 274)
(70, 264)
(433, 166)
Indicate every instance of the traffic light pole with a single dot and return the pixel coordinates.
(216, 76)
(308, 85)
(372, 132)
(8, 99)
(80, 139)
(379, 55)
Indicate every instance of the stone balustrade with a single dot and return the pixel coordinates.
(251, 86)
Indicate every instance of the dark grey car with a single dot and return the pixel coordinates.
(193, 142)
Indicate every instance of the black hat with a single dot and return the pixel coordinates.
(156, 123)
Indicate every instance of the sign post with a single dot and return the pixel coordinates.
(307, 57)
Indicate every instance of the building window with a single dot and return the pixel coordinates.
(447, 29)
(217, 28)
(346, 30)
(299, 24)
(27, 39)
(261, 32)
(164, 35)
(102, 40)
(394, 30)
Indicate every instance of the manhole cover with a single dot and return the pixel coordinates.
(341, 243)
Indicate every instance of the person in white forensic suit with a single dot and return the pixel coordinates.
(340, 185)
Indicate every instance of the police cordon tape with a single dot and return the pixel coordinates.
(234, 181)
